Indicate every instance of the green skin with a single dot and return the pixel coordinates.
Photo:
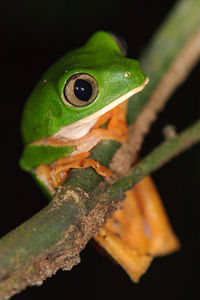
(45, 112)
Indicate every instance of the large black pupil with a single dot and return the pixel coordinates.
(82, 89)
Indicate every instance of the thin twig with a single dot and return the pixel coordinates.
(158, 157)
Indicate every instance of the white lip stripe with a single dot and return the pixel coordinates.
(107, 107)
(75, 132)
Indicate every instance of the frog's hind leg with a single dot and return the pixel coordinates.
(139, 231)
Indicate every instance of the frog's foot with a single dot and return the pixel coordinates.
(139, 231)
(101, 170)
(62, 167)
(55, 174)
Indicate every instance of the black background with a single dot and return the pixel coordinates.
(33, 35)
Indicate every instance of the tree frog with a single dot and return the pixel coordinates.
(62, 118)
(79, 101)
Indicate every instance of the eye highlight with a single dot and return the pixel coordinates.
(81, 89)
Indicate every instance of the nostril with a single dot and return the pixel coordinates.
(127, 74)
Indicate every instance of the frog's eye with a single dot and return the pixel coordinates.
(121, 43)
(80, 90)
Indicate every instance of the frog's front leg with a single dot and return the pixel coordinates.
(61, 168)
(55, 174)
(116, 127)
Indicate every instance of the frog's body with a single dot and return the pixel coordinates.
(50, 122)
(63, 117)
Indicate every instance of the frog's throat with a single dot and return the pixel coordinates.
(82, 127)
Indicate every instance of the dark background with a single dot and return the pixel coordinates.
(33, 35)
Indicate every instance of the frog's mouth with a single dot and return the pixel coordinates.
(80, 128)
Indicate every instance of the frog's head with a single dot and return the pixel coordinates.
(81, 86)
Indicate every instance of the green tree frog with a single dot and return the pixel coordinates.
(79, 101)
(62, 117)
